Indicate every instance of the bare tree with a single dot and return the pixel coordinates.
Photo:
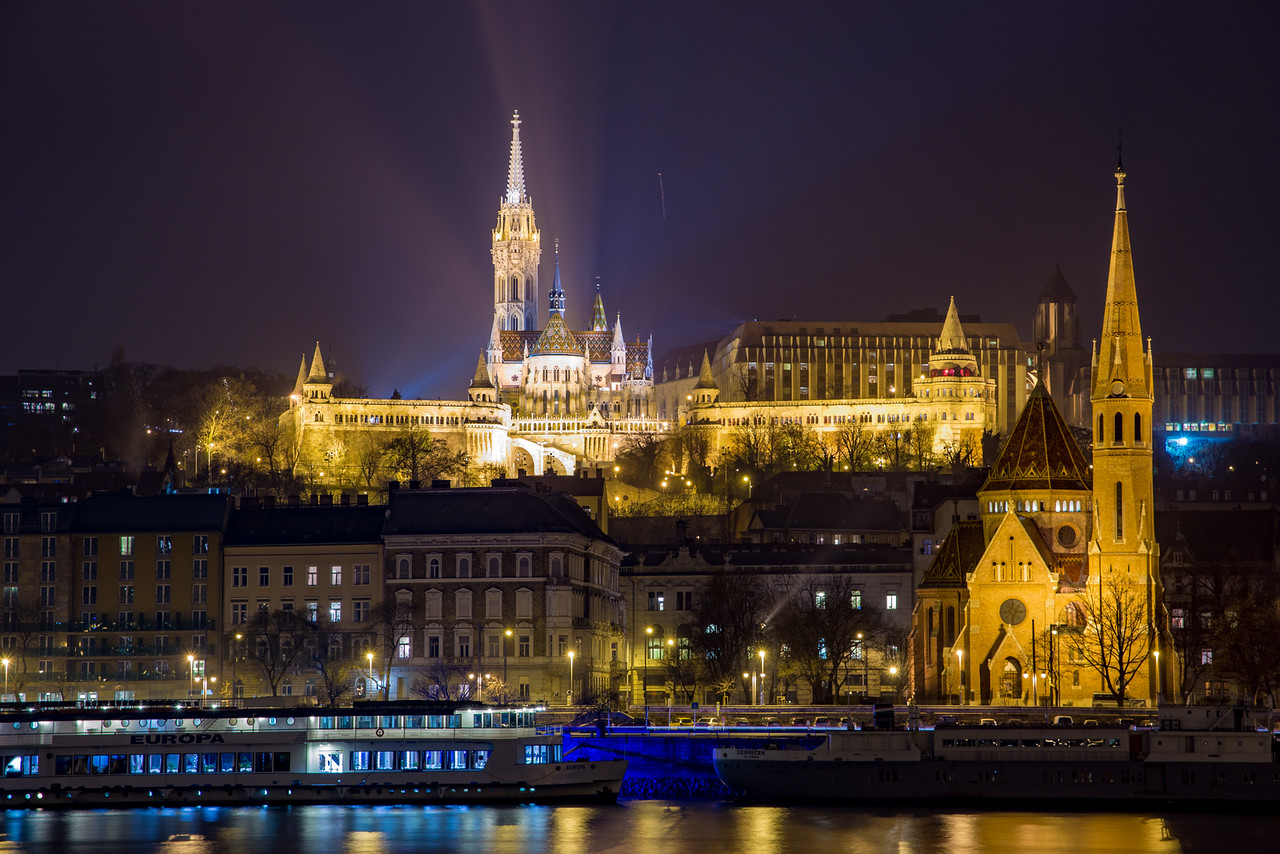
(728, 614)
(439, 681)
(920, 440)
(1115, 639)
(417, 455)
(1246, 644)
(853, 445)
(275, 641)
(330, 655)
(393, 620)
(642, 459)
(823, 627)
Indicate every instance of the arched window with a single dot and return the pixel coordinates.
(495, 566)
(1119, 437)
(951, 624)
(433, 567)
(1119, 510)
(1137, 427)
(1010, 681)
(1099, 437)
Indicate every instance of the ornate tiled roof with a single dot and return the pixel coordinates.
(958, 554)
(1041, 453)
(556, 338)
(637, 359)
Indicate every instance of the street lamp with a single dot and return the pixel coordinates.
(235, 655)
(644, 690)
(369, 657)
(762, 677)
(6, 677)
(569, 701)
(866, 675)
(191, 674)
(1156, 653)
(504, 659)
(964, 694)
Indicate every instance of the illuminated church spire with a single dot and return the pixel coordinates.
(516, 247)
(557, 292)
(1123, 547)
(1120, 356)
(515, 166)
(599, 322)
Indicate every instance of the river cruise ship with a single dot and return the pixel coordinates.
(371, 753)
(1196, 755)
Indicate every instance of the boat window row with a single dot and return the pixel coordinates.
(1031, 742)
(331, 761)
(478, 719)
(542, 754)
(169, 763)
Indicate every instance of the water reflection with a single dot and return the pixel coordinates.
(642, 827)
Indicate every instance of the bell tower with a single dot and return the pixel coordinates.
(516, 247)
(1124, 549)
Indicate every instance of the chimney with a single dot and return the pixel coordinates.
(344, 500)
(440, 484)
(393, 485)
(268, 501)
(415, 484)
(294, 500)
(315, 499)
(362, 500)
(326, 500)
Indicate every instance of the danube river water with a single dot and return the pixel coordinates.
(643, 827)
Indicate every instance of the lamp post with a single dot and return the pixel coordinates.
(762, 677)
(6, 677)
(964, 694)
(866, 675)
(1055, 695)
(369, 657)
(235, 655)
(191, 674)
(644, 689)
(569, 699)
(504, 660)
(1156, 653)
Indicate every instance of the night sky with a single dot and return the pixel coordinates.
(218, 183)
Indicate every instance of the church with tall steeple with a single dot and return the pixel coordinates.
(1053, 596)
(542, 399)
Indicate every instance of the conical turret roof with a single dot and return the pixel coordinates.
(1057, 289)
(705, 379)
(1041, 453)
(952, 339)
(318, 373)
(481, 379)
(302, 375)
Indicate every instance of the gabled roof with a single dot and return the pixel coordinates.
(1041, 453)
(958, 554)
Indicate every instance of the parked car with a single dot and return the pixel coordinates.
(709, 722)
(987, 722)
(682, 721)
(1063, 720)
